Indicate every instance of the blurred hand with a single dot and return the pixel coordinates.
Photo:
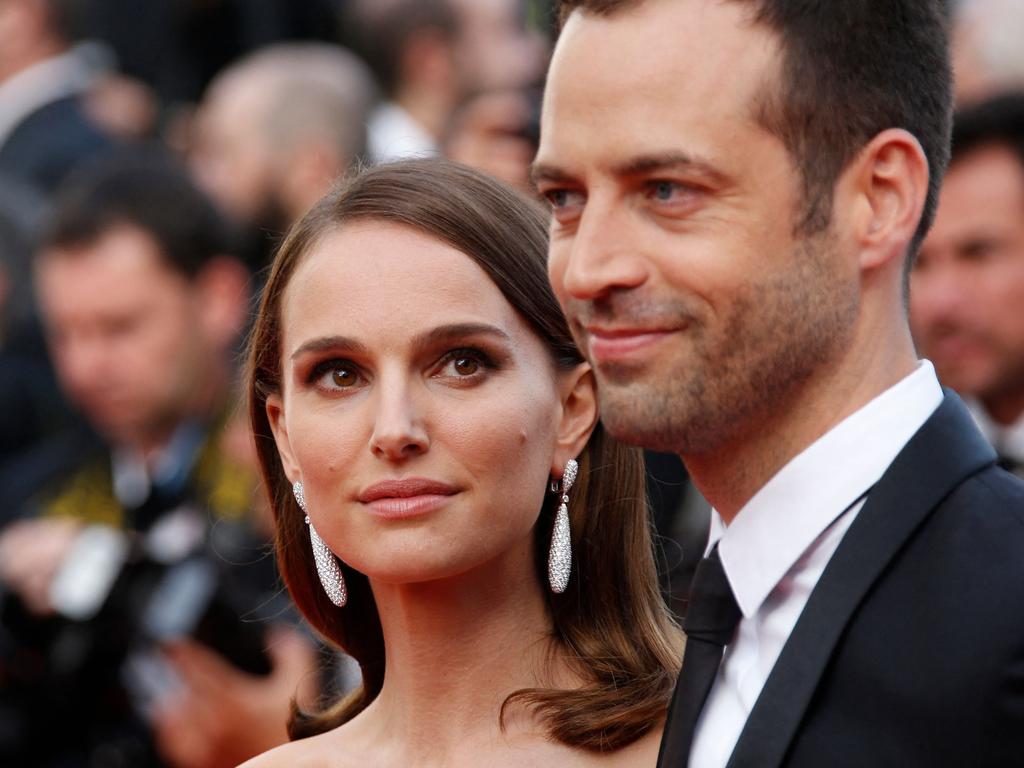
(31, 552)
(487, 135)
(221, 716)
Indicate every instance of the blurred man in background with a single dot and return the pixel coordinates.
(967, 286)
(276, 130)
(133, 578)
(988, 57)
(432, 56)
(44, 128)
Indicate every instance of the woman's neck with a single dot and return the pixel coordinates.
(455, 649)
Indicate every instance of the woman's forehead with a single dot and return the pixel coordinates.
(377, 278)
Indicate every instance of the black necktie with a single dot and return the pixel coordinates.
(710, 623)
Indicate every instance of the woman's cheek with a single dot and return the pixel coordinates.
(508, 450)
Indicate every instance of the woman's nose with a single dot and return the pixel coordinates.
(398, 429)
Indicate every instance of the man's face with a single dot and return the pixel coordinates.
(124, 334)
(495, 49)
(673, 248)
(231, 158)
(967, 286)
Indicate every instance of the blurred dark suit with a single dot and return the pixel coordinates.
(49, 142)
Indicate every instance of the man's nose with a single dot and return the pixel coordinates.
(604, 253)
(81, 362)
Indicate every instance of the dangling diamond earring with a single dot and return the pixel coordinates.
(326, 563)
(560, 555)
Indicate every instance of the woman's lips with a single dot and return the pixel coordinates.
(408, 497)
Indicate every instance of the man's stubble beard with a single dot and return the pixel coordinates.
(729, 379)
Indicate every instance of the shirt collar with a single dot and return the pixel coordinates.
(774, 529)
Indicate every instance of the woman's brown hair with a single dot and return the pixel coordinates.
(611, 623)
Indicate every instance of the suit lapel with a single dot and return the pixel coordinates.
(943, 453)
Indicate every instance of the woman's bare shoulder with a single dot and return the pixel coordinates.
(322, 751)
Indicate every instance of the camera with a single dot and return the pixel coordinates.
(94, 671)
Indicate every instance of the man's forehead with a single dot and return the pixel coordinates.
(610, 74)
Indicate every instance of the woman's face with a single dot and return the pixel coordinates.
(421, 413)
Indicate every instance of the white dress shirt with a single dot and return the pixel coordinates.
(779, 543)
(393, 134)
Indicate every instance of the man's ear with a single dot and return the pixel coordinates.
(279, 427)
(888, 182)
(579, 415)
(223, 290)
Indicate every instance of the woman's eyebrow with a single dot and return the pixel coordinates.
(428, 338)
(330, 343)
(452, 331)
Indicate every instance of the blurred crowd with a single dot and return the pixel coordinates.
(151, 157)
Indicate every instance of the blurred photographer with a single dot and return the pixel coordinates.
(135, 583)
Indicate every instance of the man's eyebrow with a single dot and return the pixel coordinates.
(427, 338)
(547, 172)
(667, 161)
(636, 166)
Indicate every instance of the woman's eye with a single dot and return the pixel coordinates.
(334, 375)
(343, 378)
(464, 364)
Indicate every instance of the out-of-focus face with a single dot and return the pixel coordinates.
(418, 408)
(230, 158)
(673, 248)
(124, 334)
(967, 286)
(496, 50)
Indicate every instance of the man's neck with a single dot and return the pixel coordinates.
(731, 474)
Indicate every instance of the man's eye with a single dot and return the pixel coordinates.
(562, 198)
(557, 197)
(664, 190)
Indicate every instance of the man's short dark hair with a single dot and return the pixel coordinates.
(851, 69)
(144, 189)
(997, 120)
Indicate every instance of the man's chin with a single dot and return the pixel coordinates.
(632, 416)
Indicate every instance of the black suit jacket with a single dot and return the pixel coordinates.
(48, 143)
(910, 651)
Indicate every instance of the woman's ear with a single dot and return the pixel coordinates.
(579, 415)
(279, 426)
